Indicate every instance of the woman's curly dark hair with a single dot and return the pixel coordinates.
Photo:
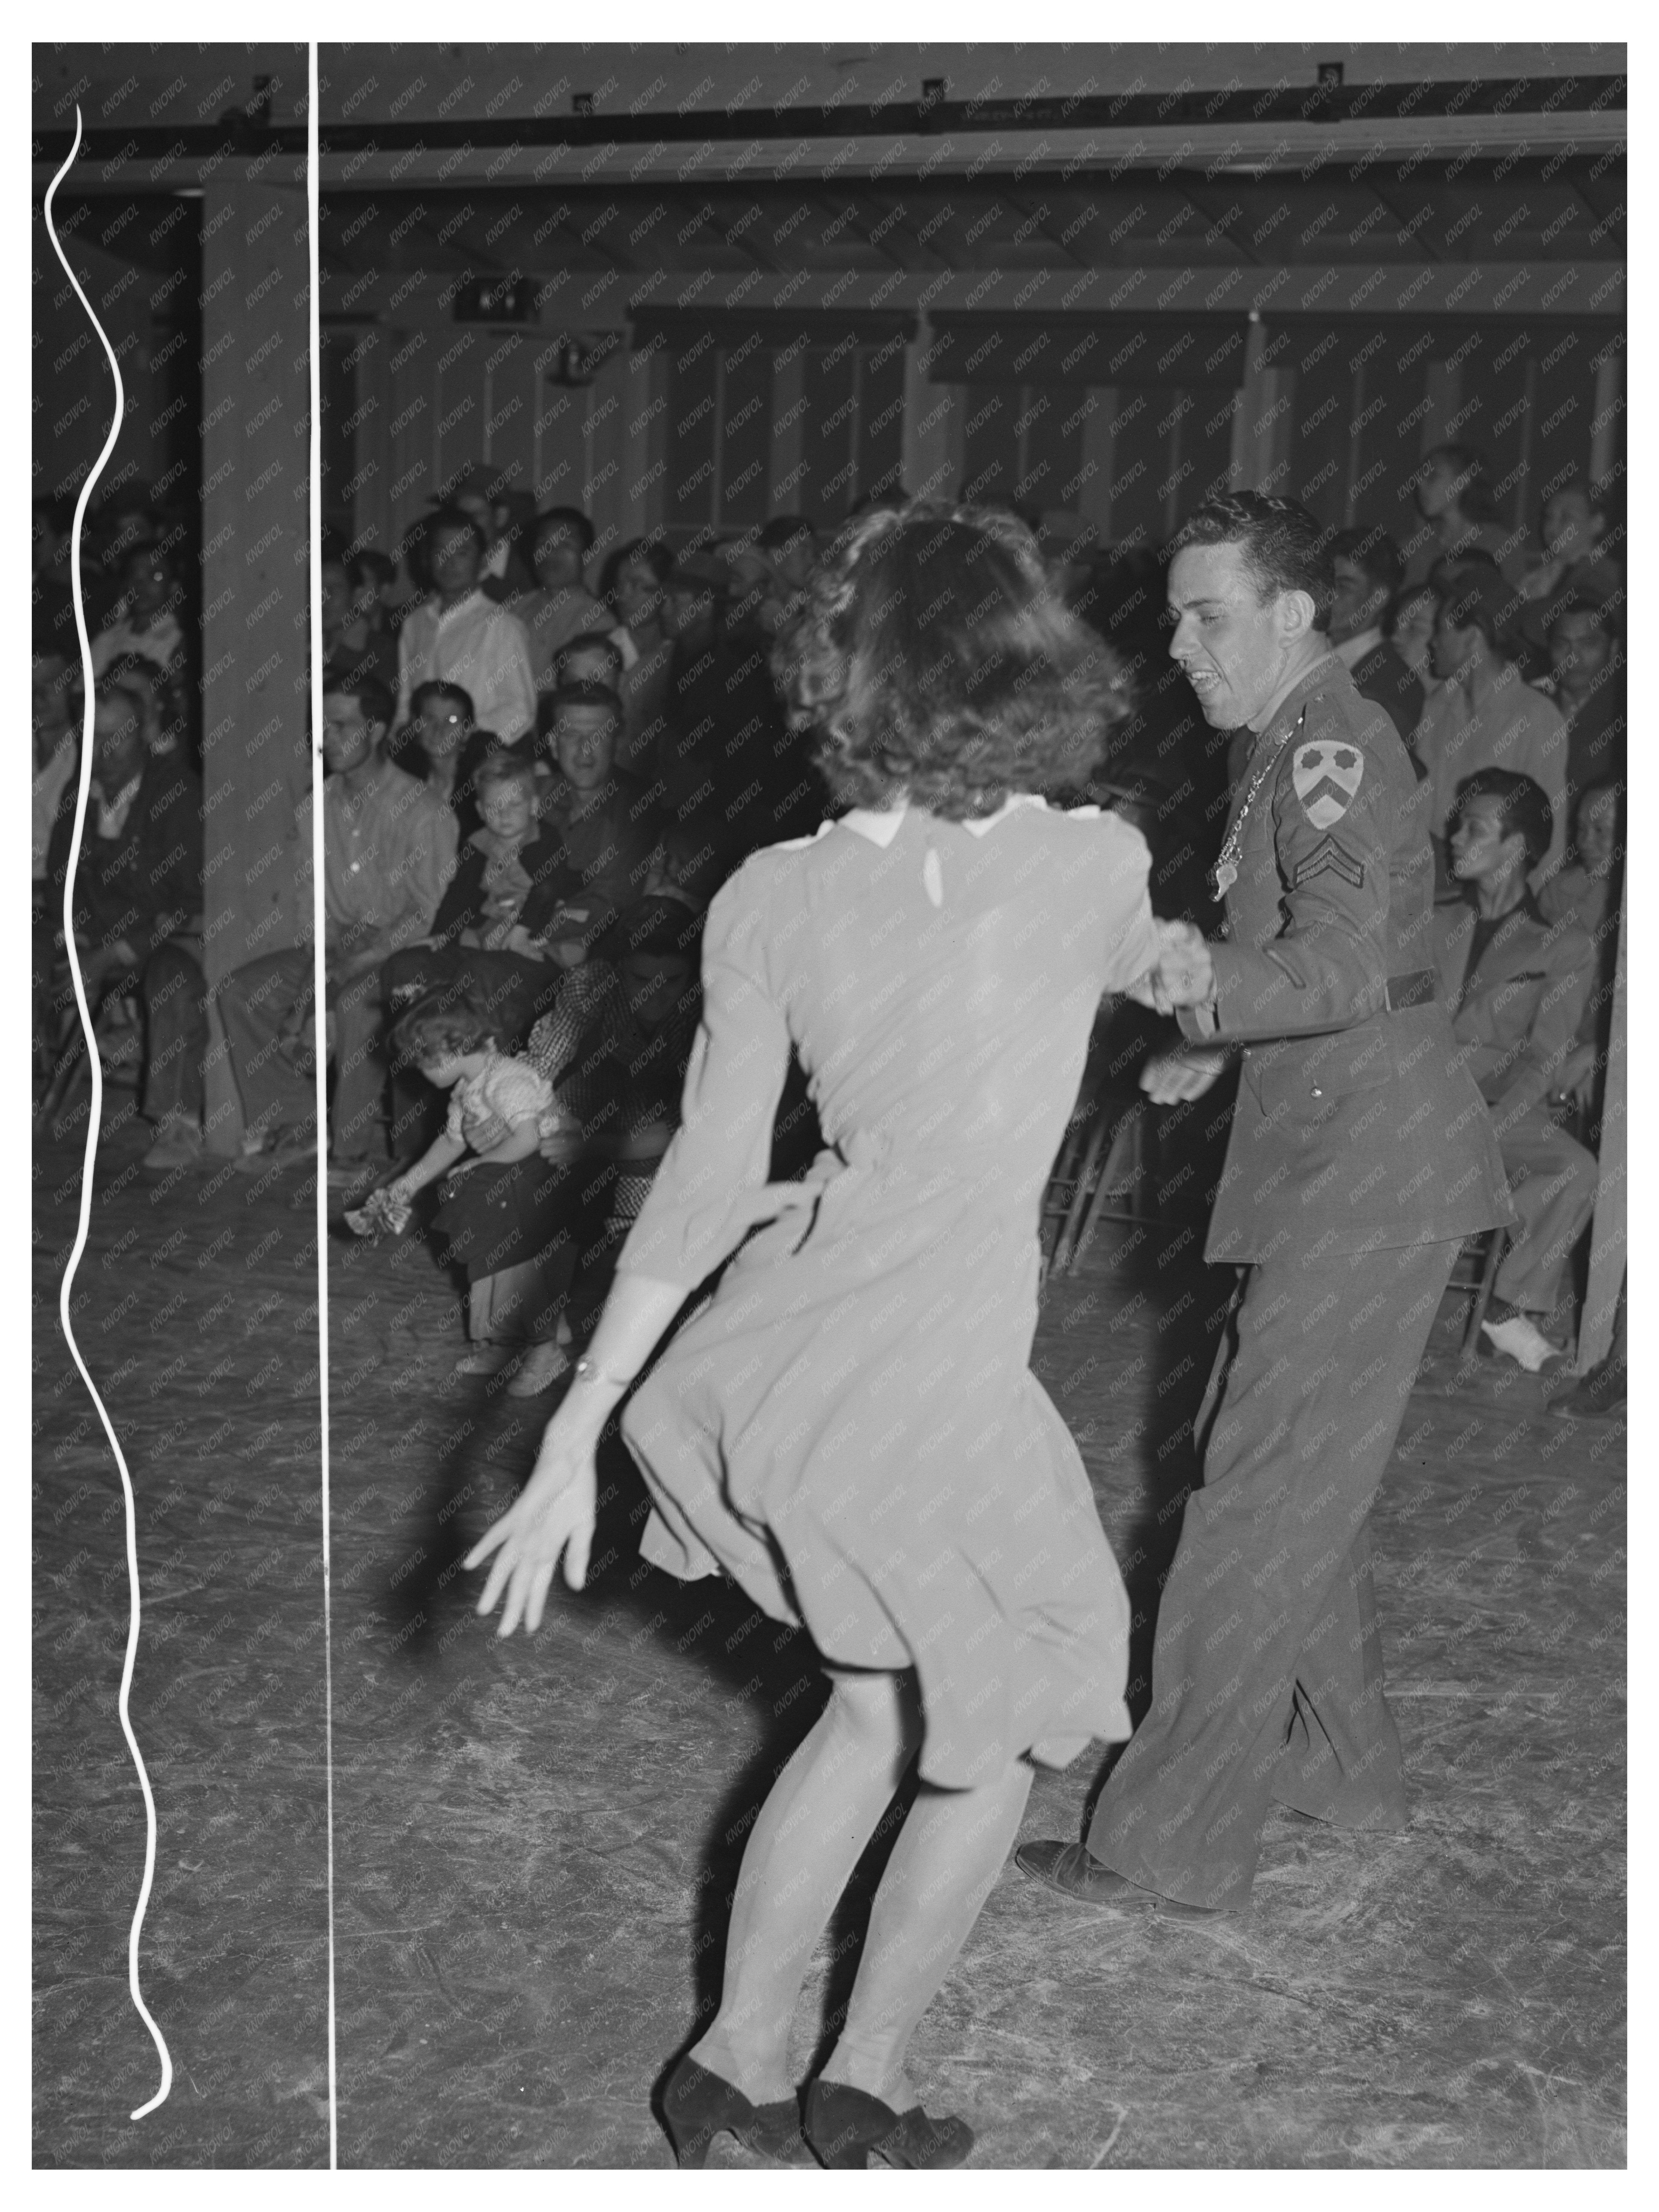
(937, 662)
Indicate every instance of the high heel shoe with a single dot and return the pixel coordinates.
(843, 2126)
(697, 2106)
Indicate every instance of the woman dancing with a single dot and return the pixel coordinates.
(850, 1429)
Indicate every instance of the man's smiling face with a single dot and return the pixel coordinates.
(1227, 640)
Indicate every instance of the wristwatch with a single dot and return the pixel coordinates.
(586, 1371)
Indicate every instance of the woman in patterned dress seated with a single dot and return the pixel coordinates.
(849, 1428)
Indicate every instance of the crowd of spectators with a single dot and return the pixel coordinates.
(540, 769)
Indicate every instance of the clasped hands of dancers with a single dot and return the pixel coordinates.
(849, 1429)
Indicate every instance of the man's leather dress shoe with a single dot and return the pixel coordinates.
(1070, 1868)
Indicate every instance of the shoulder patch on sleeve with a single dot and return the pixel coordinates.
(1326, 773)
(1329, 856)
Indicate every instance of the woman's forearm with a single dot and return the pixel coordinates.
(638, 1310)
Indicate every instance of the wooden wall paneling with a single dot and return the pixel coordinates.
(784, 493)
(371, 505)
(1388, 447)
(1206, 443)
(509, 413)
(1441, 421)
(690, 435)
(74, 393)
(1137, 508)
(1608, 420)
(458, 405)
(1051, 446)
(990, 443)
(1493, 416)
(746, 435)
(831, 373)
(1093, 497)
(1169, 427)
(640, 386)
(605, 446)
(337, 388)
(880, 454)
(1324, 419)
(560, 413)
(409, 370)
(1565, 406)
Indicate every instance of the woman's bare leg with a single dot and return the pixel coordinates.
(822, 1811)
(948, 1856)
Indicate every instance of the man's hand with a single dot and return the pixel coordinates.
(1185, 973)
(1171, 1078)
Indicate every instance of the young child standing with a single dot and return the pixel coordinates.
(504, 1208)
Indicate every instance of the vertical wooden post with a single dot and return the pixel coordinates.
(256, 721)
(1609, 1239)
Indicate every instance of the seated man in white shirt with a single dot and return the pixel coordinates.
(461, 637)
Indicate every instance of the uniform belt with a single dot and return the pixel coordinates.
(1416, 989)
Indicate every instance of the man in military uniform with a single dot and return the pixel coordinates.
(1360, 1157)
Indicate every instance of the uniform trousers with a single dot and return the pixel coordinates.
(1266, 1664)
(1553, 1183)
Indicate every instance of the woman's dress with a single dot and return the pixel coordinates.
(850, 1428)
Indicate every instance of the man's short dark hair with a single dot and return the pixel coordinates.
(1373, 552)
(1581, 603)
(585, 694)
(588, 640)
(1474, 596)
(439, 687)
(1523, 807)
(783, 529)
(566, 518)
(369, 565)
(449, 520)
(1283, 547)
(1406, 596)
(373, 697)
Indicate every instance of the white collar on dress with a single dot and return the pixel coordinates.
(882, 828)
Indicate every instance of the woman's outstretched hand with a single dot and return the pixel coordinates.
(553, 1514)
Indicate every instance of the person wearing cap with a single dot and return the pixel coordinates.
(1360, 1157)
(1484, 713)
(460, 636)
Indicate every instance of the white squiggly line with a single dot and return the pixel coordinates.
(93, 1121)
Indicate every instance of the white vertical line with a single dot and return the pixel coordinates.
(95, 1120)
(320, 1056)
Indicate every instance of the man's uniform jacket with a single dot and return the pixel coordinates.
(1357, 1127)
